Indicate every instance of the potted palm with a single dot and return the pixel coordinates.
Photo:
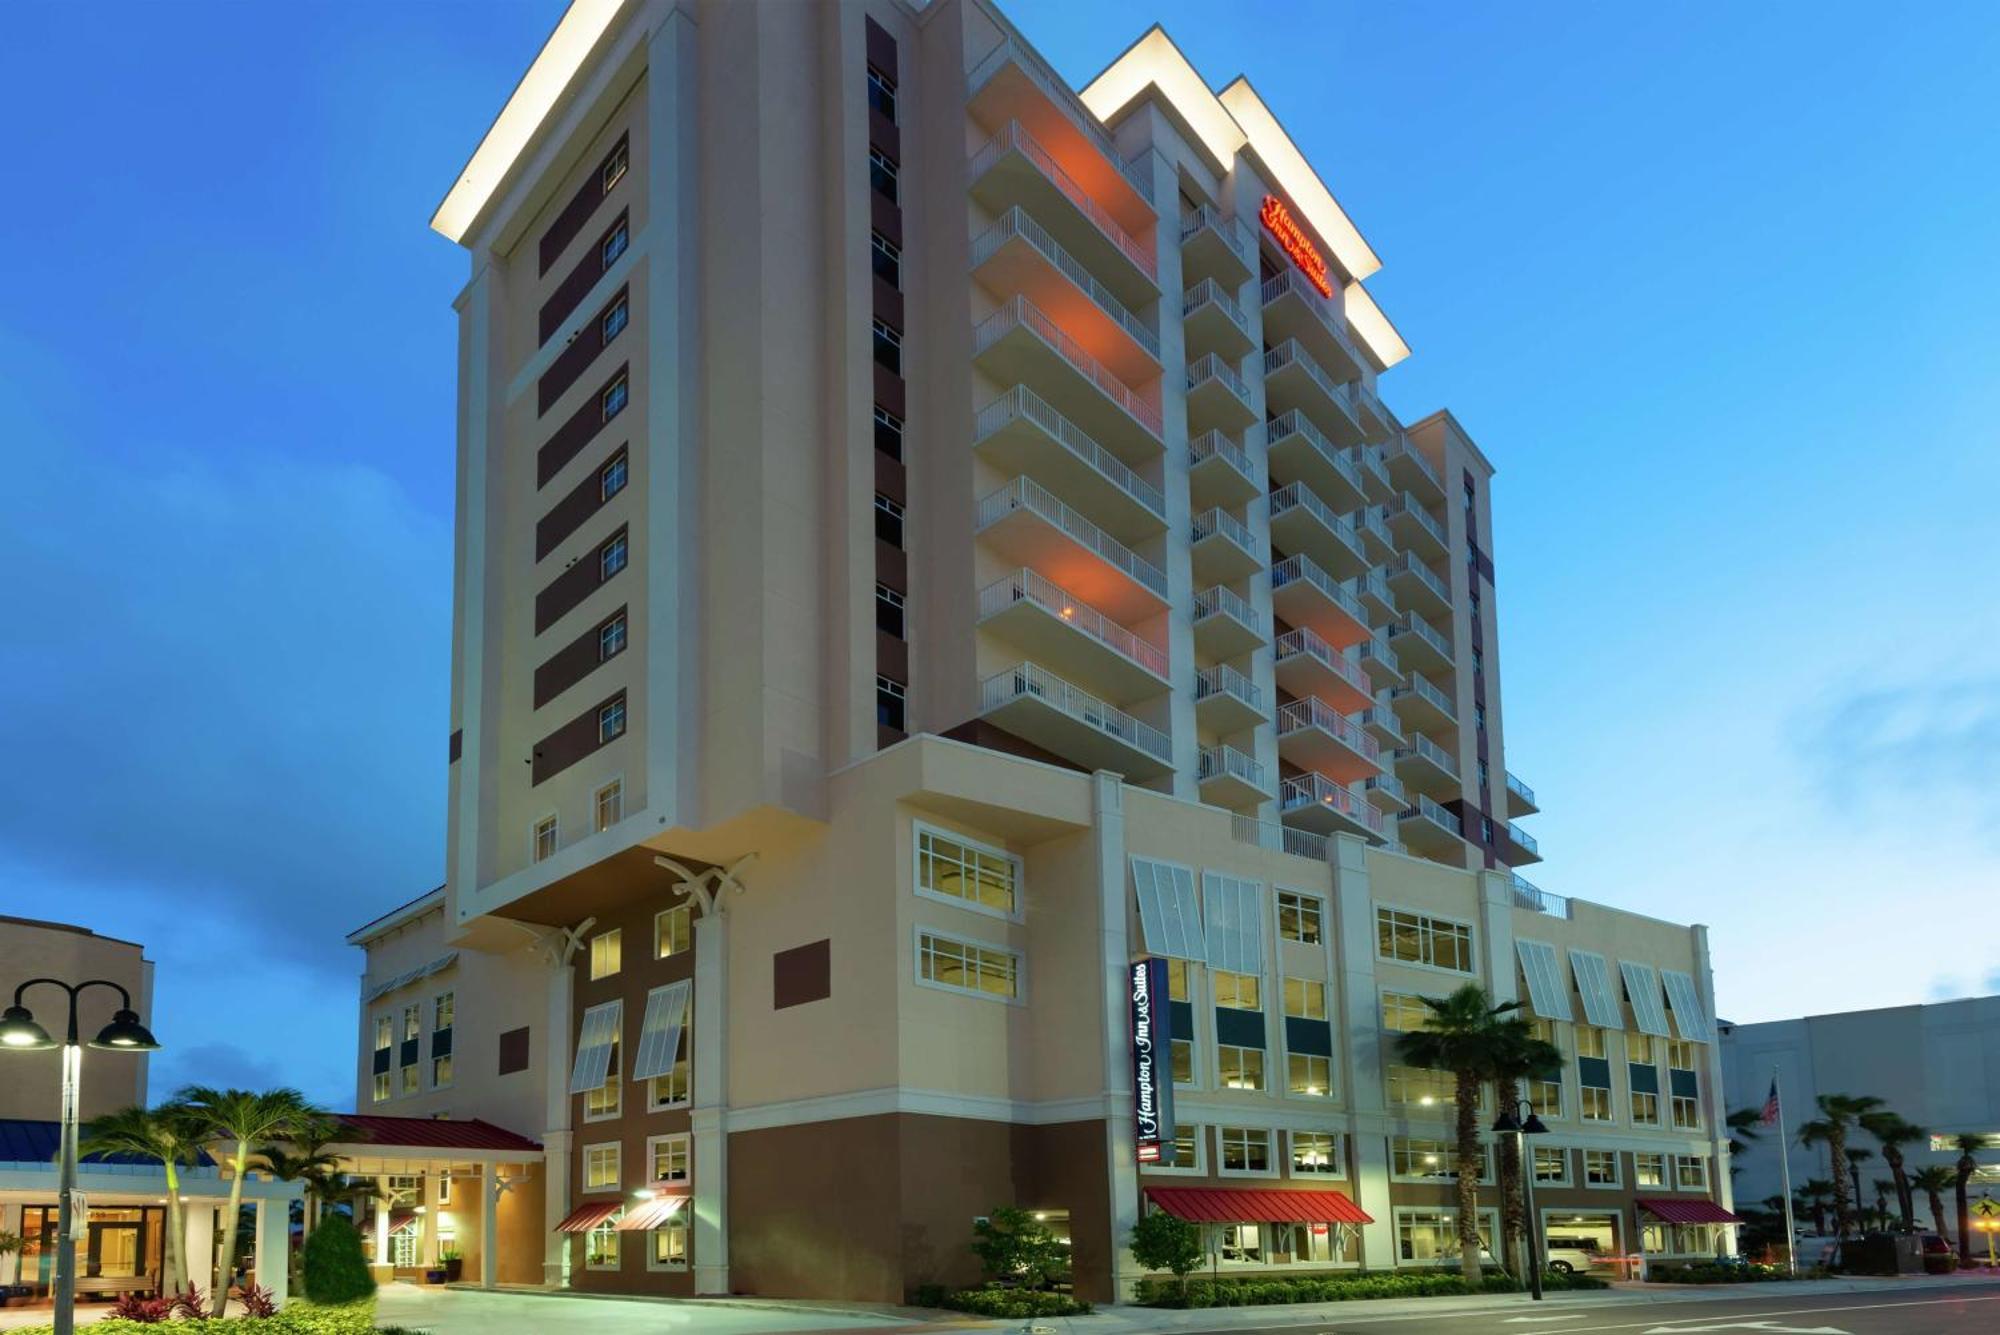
(453, 1262)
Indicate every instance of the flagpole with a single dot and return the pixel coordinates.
(1785, 1172)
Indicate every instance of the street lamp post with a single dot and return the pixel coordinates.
(1520, 1122)
(20, 1033)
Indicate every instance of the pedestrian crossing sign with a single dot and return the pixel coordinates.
(1986, 1207)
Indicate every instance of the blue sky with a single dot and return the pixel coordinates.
(1713, 286)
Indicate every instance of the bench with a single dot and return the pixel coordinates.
(109, 1286)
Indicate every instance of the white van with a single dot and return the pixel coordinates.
(1571, 1255)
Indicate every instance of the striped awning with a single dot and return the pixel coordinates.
(649, 1215)
(586, 1217)
(1235, 1205)
(1698, 1211)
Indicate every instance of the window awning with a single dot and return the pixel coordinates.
(586, 1217)
(401, 1221)
(649, 1215)
(1234, 1205)
(1697, 1211)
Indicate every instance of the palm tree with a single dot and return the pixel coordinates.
(166, 1134)
(1519, 1054)
(1813, 1197)
(1459, 1036)
(1963, 1171)
(1837, 1117)
(1855, 1159)
(1933, 1180)
(1883, 1186)
(1743, 1130)
(243, 1118)
(1891, 1132)
(311, 1164)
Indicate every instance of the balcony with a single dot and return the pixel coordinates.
(1420, 704)
(1222, 549)
(1372, 524)
(1014, 169)
(1032, 702)
(1412, 472)
(1300, 452)
(1220, 473)
(1520, 797)
(1374, 468)
(1375, 415)
(1224, 624)
(1213, 246)
(1425, 767)
(1012, 84)
(1417, 530)
(1302, 522)
(1217, 398)
(1520, 847)
(1226, 701)
(1028, 526)
(1294, 380)
(1379, 660)
(1307, 665)
(1528, 895)
(1017, 256)
(1019, 433)
(1230, 778)
(1020, 344)
(1375, 595)
(1418, 586)
(1294, 309)
(1428, 829)
(1317, 804)
(1386, 792)
(1214, 323)
(1420, 645)
(1053, 627)
(1304, 595)
(1314, 736)
(1381, 721)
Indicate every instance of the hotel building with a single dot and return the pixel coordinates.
(929, 538)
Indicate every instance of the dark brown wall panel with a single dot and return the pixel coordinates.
(883, 136)
(890, 391)
(567, 515)
(570, 743)
(572, 663)
(457, 744)
(570, 588)
(801, 975)
(888, 304)
(892, 657)
(575, 359)
(576, 284)
(884, 217)
(514, 1051)
(881, 47)
(578, 431)
(892, 566)
(994, 738)
(891, 479)
(577, 212)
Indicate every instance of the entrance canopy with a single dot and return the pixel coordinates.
(1232, 1205)
(1699, 1211)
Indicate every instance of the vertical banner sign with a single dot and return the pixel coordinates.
(1152, 1061)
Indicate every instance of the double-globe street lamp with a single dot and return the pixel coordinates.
(1520, 1122)
(20, 1033)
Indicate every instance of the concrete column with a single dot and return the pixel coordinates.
(710, 1090)
(1115, 951)
(271, 1268)
(427, 1222)
(10, 1222)
(559, 1027)
(383, 1269)
(489, 1232)
(201, 1244)
(1721, 1180)
(1362, 1049)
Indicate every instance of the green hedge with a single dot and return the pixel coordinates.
(1707, 1272)
(296, 1318)
(1339, 1287)
(1011, 1304)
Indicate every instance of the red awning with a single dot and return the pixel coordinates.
(402, 1220)
(1699, 1211)
(1233, 1205)
(586, 1217)
(649, 1215)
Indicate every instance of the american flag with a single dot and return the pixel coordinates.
(1770, 1115)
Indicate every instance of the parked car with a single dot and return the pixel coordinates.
(1568, 1255)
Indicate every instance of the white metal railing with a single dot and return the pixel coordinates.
(1020, 313)
(1519, 789)
(1015, 222)
(1376, 646)
(1370, 460)
(1217, 762)
(1364, 397)
(1377, 588)
(1292, 422)
(1210, 291)
(1423, 806)
(1300, 641)
(1292, 282)
(1213, 367)
(1414, 508)
(1412, 624)
(1027, 680)
(1026, 494)
(1313, 712)
(1421, 745)
(1247, 829)
(1289, 353)
(1371, 519)
(1528, 895)
(1023, 404)
(1313, 789)
(1301, 567)
(1230, 231)
(1226, 680)
(1225, 601)
(1296, 495)
(1386, 783)
(1428, 693)
(1218, 520)
(1382, 717)
(1403, 450)
(1213, 444)
(1032, 587)
(1523, 838)
(1054, 88)
(1410, 565)
(1015, 139)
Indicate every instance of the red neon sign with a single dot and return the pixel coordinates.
(1278, 221)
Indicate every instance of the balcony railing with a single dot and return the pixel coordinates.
(1218, 520)
(1214, 444)
(1248, 829)
(1228, 230)
(1383, 717)
(1302, 641)
(1376, 587)
(1015, 223)
(1528, 895)
(1431, 810)
(1522, 838)
(1520, 790)
(1421, 745)
(1208, 290)
(1370, 460)
(1029, 586)
(1295, 568)
(1407, 564)
(1020, 313)
(1289, 353)
(1023, 404)
(1293, 422)
(1025, 494)
(1225, 600)
(1313, 712)
(1388, 785)
(1218, 762)
(1369, 400)
(1012, 138)
(1429, 694)
(1296, 284)
(1226, 680)
(1415, 625)
(1028, 681)
(1058, 92)
(1314, 789)
(1297, 494)
(1370, 519)
(1213, 367)
(1414, 508)
(1402, 449)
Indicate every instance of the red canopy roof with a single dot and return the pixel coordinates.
(1229, 1205)
(586, 1217)
(431, 1133)
(648, 1215)
(1698, 1211)
(400, 1220)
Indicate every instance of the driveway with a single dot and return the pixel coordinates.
(440, 1311)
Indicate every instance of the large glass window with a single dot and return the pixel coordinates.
(1239, 1068)
(1308, 1075)
(1245, 1149)
(1649, 1170)
(963, 966)
(1305, 998)
(1416, 938)
(1403, 1013)
(972, 873)
(673, 931)
(600, 1249)
(1238, 991)
(1299, 917)
(1420, 1087)
(600, 1167)
(670, 1246)
(1418, 1159)
(606, 952)
(1431, 1236)
(1317, 1152)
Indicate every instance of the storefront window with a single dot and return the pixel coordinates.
(601, 1247)
(1241, 1243)
(670, 1246)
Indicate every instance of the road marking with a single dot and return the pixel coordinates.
(1524, 1320)
(1810, 1311)
(1750, 1325)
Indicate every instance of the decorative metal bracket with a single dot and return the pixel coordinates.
(695, 885)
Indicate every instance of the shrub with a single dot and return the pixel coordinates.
(296, 1318)
(1016, 1247)
(142, 1311)
(1014, 1304)
(335, 1269)
(258, 1301)
(1337, 1287)
(1161, 1241)
(928, 1295)
(190, 1303)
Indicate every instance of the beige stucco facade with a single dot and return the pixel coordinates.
(29, 949)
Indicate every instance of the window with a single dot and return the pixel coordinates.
(1551, 1167)
(1485, 829)
(412, 1024)
(1681, 1054)
(892, 701)
(1595, 1103)
(1240, 1068)
(1600, 1168)
(384, 1033)
(611, 721)
(1403, 1013)
(1427, 1236)
(606, 953)
(963, 966)
(1298, 918)
(608, 1099)
(612, 556)
(972, 874)
(1187, 1146)
(443, 1010)
(600, 1247)
(888, 348)
(441, 1072)
(1179, 987)
(616, 395)
(1649, 1170)
(614, 321)
(1316, 1152)
(670, 1090)
(1589, 1041)
(673, 931)
(1545, 1095)
(1645, 1108)
(614, 170)
(1183, 1061)
(1485, 770)
(885, 257)
(611, 638)
(611, 479)
(882, 92)
(1238, 991)
(1639, 1050)
(1420, 1087)
(381, 1086)
(1479, 710)
(889, 433)
(1305, 998)
(1686, 1112)
(411, 1080)
(1690, 1173)
(888, 521)
(1684, 1086)
(889, 612)
(1245, 1149)
(543, 845)
(1308, 1076)
(1415, 938)
(610, 804)
(615, 244)
(882, 174)
(1240, 1243)
(1414, 1159)
(669, 1246)
(670, 1158)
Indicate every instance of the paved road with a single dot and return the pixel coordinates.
(1961, 1310)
